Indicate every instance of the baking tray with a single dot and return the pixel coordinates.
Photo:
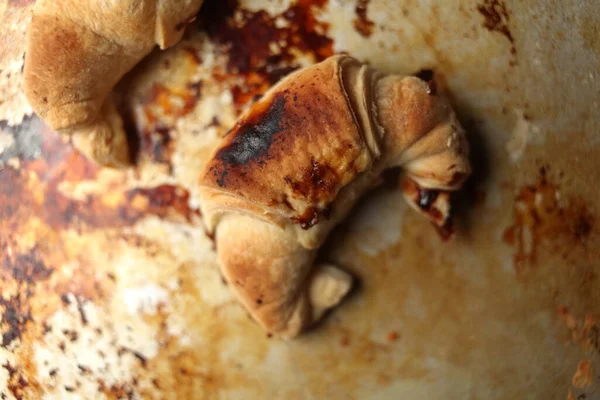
(110, 287)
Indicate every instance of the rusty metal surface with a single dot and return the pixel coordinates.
(110, 288)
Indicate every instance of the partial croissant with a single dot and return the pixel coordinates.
(300, 158)
(77, 50)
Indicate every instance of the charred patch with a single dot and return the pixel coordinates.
(496, 19)
(252, 138)
(362, 23)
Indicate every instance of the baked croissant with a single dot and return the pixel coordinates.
(77, 50)
(300, 158)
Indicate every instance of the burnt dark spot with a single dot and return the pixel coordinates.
(69, 389)
(259, 301)
(52, 373)
(253, 137)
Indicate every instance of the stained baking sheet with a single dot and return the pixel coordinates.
(110, 287)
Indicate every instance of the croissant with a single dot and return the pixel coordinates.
(77, 50)
(300, 158)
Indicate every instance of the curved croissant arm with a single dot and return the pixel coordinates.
(299, 159)
(77, 50)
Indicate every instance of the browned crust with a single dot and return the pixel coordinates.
(293, 150)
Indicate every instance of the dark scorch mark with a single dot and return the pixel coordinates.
(253, 137)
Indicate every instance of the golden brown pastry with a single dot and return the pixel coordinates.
(77, 50)
(298, 160)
